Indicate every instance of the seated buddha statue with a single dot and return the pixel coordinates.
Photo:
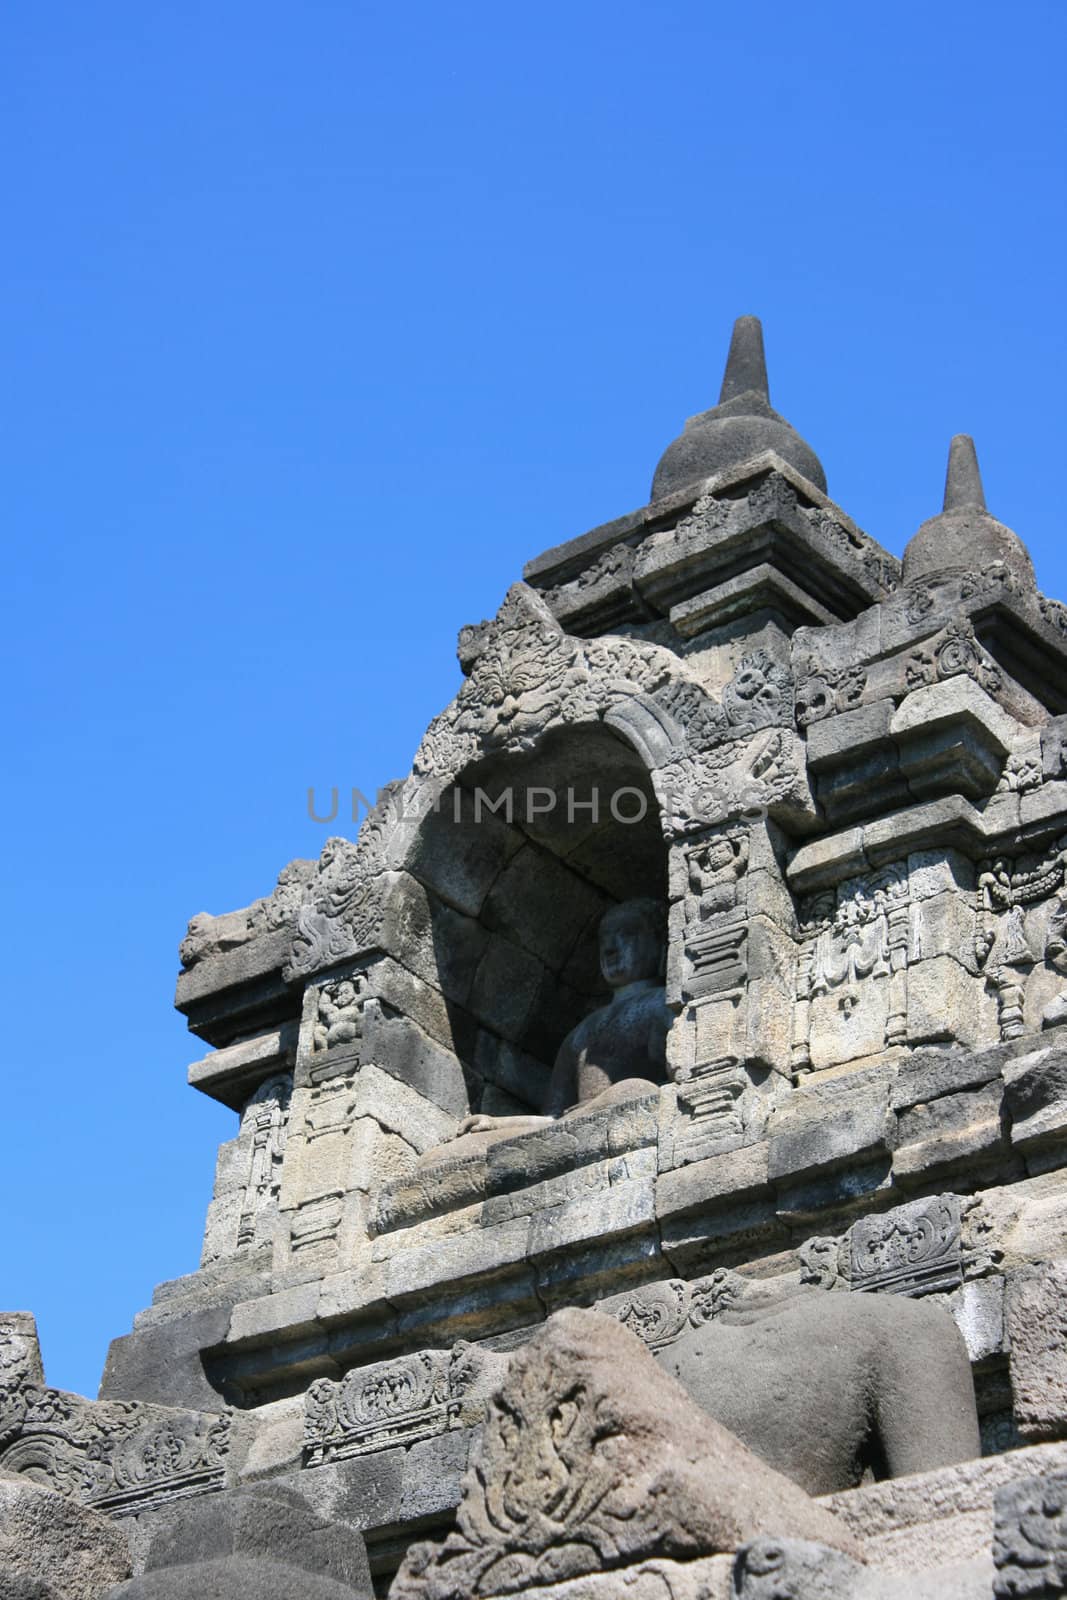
(619, 1049)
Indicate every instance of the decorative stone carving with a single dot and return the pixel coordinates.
(822, 691)
(1007, 938)
(795, 1569)
(825, 1262)
(211, 936)
(21, 1371)
(395, 1402)
(954, 650)
(264, 1125)
(659, 1313)
(1054, 613)
(759, 695)
(315, 1224)
(856, 941)
(340, 1013)
(1022, 774)
(716, 923)
(1030, 1539)
(590, 1459)
(1055, 1012)
(913, 1250)
(771, 496)
(120, 1456)
(343, 909)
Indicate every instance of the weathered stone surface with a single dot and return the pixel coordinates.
(261, 1542)
(803, 1377)
(591, 1459)
(162, 1363)
(1030, 1543)
(948, 1132)
(53, 1549)
(1036, 1322)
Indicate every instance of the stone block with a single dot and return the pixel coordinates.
(948, 1133)
(947, 1002)
(927, 1075)
(953, 738)
(1035, 1095)
(401, 1109)
(289, 1311)
(460, 857)
(1035, 1314)
(978, 1311)
(503, 1064)
(839, 740)
(949, 823)
(597, 1218)
(506, 987)
(849, 1136)
(759, 588)
(398, 1047)
(539, 904)
(163, 1363)
(732, 1175)
(51, 1548)
(438, 944)
(825, 862)
(231, 1074)
(260, 1540)
(835, 1121)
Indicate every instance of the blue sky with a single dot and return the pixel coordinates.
(317, 322)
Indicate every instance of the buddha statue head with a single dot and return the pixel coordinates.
(631, 942)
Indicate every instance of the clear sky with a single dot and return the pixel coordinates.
(318, 321)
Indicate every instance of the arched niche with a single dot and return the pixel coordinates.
(518, 862)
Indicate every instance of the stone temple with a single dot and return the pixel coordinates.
(648, 1177)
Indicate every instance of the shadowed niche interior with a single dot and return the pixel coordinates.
(520, 861)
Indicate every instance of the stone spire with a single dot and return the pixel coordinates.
(741, 426)
(746, 364)
(963, 480)
(964, 537)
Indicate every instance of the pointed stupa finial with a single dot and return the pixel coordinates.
(963, 480)
(741, 427)
(963, 537)
(746, 364)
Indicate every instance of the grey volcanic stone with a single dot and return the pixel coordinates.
(821, 1384)
(965, 537)
(259, 1543)
(742, 425)
(51, 1548)
(235, 1578)
(590, 1459)
(162, 1363)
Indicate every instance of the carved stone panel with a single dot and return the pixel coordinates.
(120, 1456)
(395, 1402)
(1030, 1539)
(913, 1250)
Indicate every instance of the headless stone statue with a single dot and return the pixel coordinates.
(621, 1048)
(823, 1386)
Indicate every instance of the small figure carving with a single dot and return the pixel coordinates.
(1056, 957)
(622, 1047)
(340, 1019)
(715, 873)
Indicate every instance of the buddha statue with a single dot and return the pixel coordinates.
(620, 1048)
